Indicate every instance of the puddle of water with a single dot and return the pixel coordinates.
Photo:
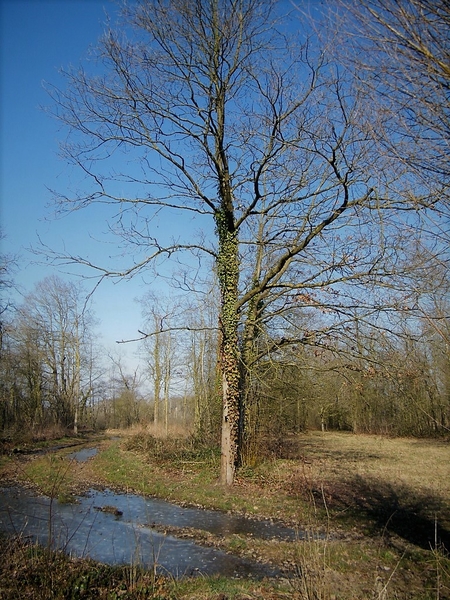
(84, 454)
(83, 530)
(148, 511)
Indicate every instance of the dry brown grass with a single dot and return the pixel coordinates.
(398, 486)
(422, 465)
(158, 430)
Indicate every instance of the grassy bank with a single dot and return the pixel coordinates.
(384, 505)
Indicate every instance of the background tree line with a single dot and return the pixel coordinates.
(392, 378)
(316, 166)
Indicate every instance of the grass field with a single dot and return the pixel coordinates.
(383, 503)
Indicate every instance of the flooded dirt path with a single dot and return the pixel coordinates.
(83, 455)
(125, 528)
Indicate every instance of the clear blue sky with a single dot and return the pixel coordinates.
(37, 38)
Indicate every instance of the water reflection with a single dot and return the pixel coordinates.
(84, 530)
(84, 454)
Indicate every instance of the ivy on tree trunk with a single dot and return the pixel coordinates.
(228, 276)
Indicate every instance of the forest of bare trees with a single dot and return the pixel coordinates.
(312, 150)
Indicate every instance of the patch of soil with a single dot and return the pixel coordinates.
(113, 510)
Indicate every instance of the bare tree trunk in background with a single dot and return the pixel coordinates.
(157, 379)
(167, 376)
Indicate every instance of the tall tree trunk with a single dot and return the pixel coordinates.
(228, 276)
(252, 329)
(77, 376)
(167, 373)
(247, 432)
(157, 377)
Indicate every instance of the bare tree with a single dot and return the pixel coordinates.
(126, 399)
(232, 116)
(401, 51)
(161, 315)
(8, 266)
(202, 359)
(54, 327)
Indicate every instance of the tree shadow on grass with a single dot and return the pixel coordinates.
(419, 518)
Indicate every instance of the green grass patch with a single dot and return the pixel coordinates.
(125, 470)
(186, 475)
(4, 462)
(186, 470)
(52, 475)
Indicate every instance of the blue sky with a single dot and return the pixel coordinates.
(37, 38)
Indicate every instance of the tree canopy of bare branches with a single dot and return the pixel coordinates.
(226, 112)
